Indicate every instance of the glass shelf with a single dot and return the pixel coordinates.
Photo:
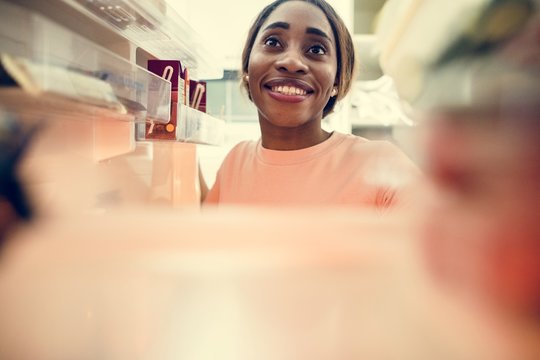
(200, 127)
(57, 60)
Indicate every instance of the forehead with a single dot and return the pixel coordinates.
(300, 14)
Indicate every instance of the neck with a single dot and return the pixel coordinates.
(293, 136)
(289, 139)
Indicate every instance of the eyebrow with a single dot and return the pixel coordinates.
(286, 26)
(315, 31)
(278, 24)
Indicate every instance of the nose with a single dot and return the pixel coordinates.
(291, 60)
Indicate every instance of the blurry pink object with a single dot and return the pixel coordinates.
(233, 283)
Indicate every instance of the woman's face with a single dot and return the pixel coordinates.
(292, 66)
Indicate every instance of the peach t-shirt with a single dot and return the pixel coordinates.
(343, 170)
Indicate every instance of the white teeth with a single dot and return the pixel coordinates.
(288, 90)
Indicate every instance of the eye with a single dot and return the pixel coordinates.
(317, 50)
(272, 42)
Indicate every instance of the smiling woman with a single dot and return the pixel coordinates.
(292, 73)
(298, 61)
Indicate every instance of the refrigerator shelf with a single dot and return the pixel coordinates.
(156, 27)
(55, 57)
(192, 126)
(200, 127)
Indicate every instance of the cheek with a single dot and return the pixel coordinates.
(330, 77)
(258, 63)
(257, 67)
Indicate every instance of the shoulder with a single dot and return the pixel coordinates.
(371, 147)
(243, 147)
(348, 138)
(381, 152)
(357, 144)
(241, 151)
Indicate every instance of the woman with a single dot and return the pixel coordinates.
(298, 61)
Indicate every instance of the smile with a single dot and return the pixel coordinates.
(289, 86)
(288, 90)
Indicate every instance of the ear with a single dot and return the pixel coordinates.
(245, 81)
(334, 91)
